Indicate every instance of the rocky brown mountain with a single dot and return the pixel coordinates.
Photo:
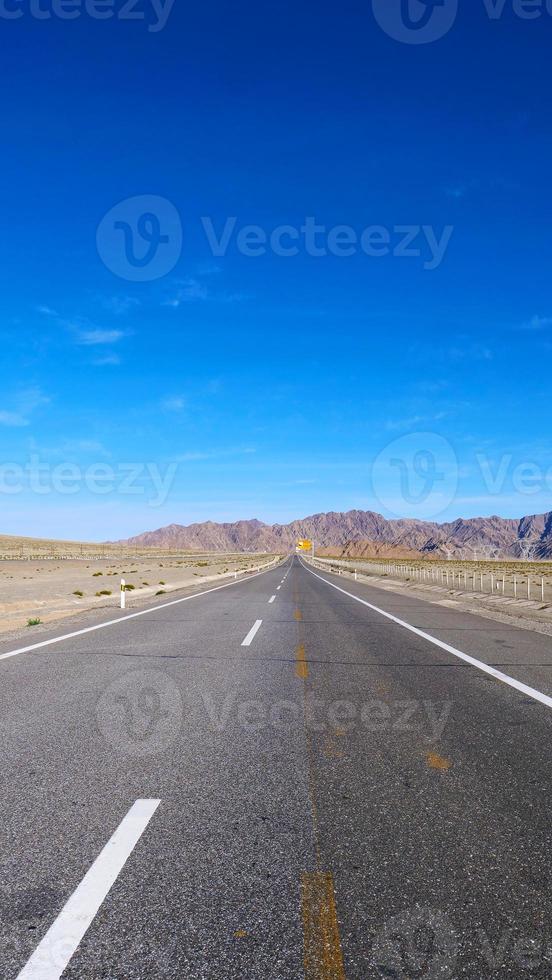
(478, 537)
(369, 549)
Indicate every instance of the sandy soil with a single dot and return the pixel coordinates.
(45, 589)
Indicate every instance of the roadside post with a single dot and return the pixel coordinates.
(123, 593)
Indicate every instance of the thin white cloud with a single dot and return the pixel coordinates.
(187, 291)
(87, 334)
(407, 423)
(209, 269)
(107, 361)
(175, 404)
(469, 352)
(120, 304)
(234, 297)
(90, 338)
(538, 323)
(68, 446)
(431, 387)
(297, 483)
(12, 419)
(473, 352)
(192, 457)
(85, 446)
(456, 192)
(26, 401)
(214, 386)
(193, 290)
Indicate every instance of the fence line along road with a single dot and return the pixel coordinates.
(502, 583)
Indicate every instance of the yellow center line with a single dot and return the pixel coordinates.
(301, 665)
(323, 957)
(436, 761)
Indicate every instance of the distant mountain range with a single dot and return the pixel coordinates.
(477, 537)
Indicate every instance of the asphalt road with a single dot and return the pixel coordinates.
(339, 798)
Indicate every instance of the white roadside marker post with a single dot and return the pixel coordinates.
(123, 593)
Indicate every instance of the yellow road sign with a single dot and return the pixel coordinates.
(304, 545)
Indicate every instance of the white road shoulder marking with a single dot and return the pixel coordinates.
(123, 619)
(52, 955)
(247, 641)
(272, 598)
(486, 668)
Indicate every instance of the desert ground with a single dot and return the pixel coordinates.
(476, 576)
(49, 589)
(49, 580)
(496, 577)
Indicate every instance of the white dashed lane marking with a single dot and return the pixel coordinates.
(53, 954)
(252, 632)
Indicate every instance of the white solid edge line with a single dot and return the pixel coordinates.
(54, 952)
(247, 641)
(486, 668)
(122, 619)
(272, 598)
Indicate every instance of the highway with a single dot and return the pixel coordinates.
(275, 780)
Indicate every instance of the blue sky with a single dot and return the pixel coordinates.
(273, 386)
